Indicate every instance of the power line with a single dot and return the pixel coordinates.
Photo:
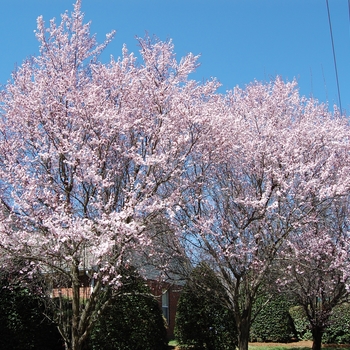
(349, 14)
(334, 59)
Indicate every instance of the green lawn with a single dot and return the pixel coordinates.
(172, 343)
(276, 347)
(294, 346)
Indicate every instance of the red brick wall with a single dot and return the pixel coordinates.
(158, 288)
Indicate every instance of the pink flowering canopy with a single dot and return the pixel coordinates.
(101, 163)
(90, 152)
(275, 157)
(275, 162)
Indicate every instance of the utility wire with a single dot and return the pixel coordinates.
(335, 61)
(349, 14)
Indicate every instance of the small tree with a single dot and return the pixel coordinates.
(202, 320)
(316, 263)
(251, 189)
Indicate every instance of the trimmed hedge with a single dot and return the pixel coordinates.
(278, 321)
(133, 321)
(301, 323)
(202, 322)
(337, 331)
(22, 321)
(273, 323)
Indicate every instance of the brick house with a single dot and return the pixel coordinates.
(166, 293)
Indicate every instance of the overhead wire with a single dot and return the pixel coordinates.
(349, 14)
(334, 57)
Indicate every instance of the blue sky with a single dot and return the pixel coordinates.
(239, 40)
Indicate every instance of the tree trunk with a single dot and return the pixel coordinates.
(243, 332)
(317, 333)
(76, 343)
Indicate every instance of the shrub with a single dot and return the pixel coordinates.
(202, 322)
(22, 321)
(273, 322)
(301, 323)
(338, 330)
(133, 321)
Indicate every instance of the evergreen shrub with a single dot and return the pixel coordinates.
(273, 322)
(301, 323)
(338, 330)
(133, 321)
(23, 324)
(202, 320)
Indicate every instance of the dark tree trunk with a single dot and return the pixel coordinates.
(76, 336)
(243, 332)
(317, 333)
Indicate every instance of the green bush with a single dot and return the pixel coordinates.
(338, 330)
(301, 323)
(22, 321)
(202, 322)
(133, 321)
(273, 323)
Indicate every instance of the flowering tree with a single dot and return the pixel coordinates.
(95, 158)
(90, 155)
(270, 151)
(315, 261)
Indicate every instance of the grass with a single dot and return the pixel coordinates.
(278, 346)
(272, 347)
(296, 347)
(172, 344)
